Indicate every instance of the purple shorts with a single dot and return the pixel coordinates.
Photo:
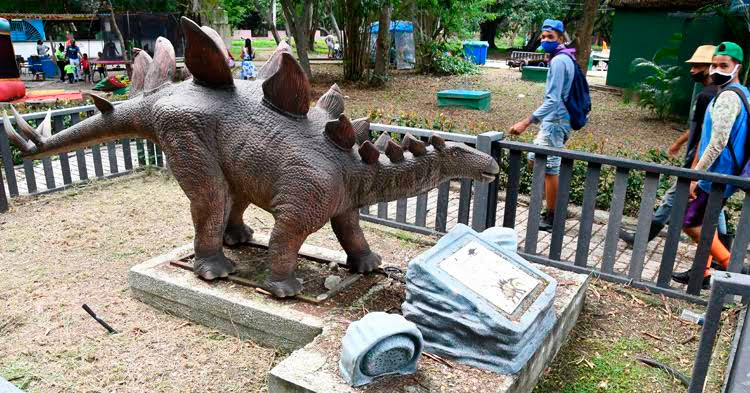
(696, 209)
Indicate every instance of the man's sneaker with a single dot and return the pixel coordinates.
(684, 278)
(546, 221)
(653, 231)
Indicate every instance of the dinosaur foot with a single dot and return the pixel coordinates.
(363, 263)
(237, 235)
(213, 267)
(284, 288)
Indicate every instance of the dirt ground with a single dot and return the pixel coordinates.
(62, 250)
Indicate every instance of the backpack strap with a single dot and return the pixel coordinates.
(743, 98)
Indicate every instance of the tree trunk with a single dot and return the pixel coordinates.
(335, 28)
(296, 23)
(585, 32)
(310, 24)
(355, 40)
(488, 32)
(271, 20)
(113, 22)
(383, 44)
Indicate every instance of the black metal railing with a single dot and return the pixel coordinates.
(622, 168)
(58, 172)
(737, 376)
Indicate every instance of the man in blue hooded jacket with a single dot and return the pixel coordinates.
(552, 114)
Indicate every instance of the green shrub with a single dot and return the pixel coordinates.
(446, 58)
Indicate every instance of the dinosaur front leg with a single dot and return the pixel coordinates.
(359, 257)
(237, 232)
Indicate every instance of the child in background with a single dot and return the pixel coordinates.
(70, 70)
(101, 68)
(86, 67)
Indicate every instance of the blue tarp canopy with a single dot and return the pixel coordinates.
(398, 26)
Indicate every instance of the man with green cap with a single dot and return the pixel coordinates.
(699, 64)
(722, 147)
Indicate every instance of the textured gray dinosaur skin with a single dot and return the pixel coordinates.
(230, 145)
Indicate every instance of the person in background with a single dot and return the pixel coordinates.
(699, 65)
(60, 58)
(86, 68)
(41, 49)
(248, 55)
(329, 43)
(101, 68)
(70, 70)
(722, 149)
(552, 114)
(73, 54)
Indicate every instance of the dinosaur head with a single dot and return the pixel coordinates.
(459, 160)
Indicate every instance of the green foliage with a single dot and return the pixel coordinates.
(659, 90)
(446, 58)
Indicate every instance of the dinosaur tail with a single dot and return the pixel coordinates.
(112, 123)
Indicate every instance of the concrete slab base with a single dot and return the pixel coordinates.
(314, 368)
(233, 309)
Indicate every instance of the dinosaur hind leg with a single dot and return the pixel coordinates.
(237, 232)
(202, 181)
(359, 257)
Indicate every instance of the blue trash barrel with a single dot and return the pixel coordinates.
(476, 51)
(49, 68)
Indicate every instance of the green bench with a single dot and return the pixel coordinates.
(534, 74)
(473, 99)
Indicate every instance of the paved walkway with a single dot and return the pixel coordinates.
(686, 249)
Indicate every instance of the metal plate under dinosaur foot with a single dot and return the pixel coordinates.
(253, 268)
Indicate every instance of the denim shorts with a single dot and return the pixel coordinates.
(552, 134)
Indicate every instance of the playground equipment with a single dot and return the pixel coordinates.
(11, 86)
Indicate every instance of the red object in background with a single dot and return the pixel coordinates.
(11, 89)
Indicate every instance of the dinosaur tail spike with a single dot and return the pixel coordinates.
(437, 142)
(413, 145)
(45, 127)
(101, 103)
(141, 64)
(26, 129)
(332, 101)
(361, 129)
(24, 145)
(369, 153)
(341, 133)
(163, 67)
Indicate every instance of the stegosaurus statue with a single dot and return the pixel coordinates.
(230, 143)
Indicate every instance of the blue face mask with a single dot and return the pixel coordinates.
(550, 46)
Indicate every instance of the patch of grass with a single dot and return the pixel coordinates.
(19, 372)
(601, 366)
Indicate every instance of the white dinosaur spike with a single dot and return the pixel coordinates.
(45, 127)
(20, 141)
(26, 129)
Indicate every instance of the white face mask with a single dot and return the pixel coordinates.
(720, 78)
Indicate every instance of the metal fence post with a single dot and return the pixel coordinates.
(483, 191)
(3, 197)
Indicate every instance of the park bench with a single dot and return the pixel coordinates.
(522, 59)
(473, 99)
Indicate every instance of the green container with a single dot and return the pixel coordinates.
(591, 63)
(473, 99)
(534, 74)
